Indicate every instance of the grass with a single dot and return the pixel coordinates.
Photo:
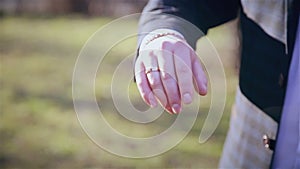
(38, 125)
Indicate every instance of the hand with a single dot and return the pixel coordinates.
(166, 71)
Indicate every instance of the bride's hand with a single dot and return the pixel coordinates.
(167, 71)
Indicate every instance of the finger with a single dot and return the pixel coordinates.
(143, 86)
(168, 77)
(158, 90)
(199, 75)
(154, 80)
(184, 74)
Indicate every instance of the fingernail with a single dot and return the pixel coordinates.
(204, 89)
(205, 86)
(187, 98)
(152, 100)
(176, 108)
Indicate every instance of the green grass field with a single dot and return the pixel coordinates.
(38, 125)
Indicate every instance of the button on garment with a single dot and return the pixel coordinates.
(287, 152)
(268, 142)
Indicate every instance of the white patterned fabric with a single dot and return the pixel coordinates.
(244, 146)
(270, 15)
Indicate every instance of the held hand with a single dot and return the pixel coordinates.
(167, 70)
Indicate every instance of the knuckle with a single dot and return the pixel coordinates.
(144, 95)
(143, 51)
(155, 83)
(180, 44)
(186, 87)
(174, 97)
(184, 70)
(146, 54)
(139, 83)
(152, 53)
(165, 45)
(166, 77)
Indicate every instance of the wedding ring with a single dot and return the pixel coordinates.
(154, 69)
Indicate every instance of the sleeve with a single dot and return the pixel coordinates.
(192, 18)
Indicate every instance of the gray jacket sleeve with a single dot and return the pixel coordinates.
(192, 18)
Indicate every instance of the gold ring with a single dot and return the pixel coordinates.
(154, 69)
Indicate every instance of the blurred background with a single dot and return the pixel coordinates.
(82, 7)
(39, 44)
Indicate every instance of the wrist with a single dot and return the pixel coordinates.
(159, 33)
